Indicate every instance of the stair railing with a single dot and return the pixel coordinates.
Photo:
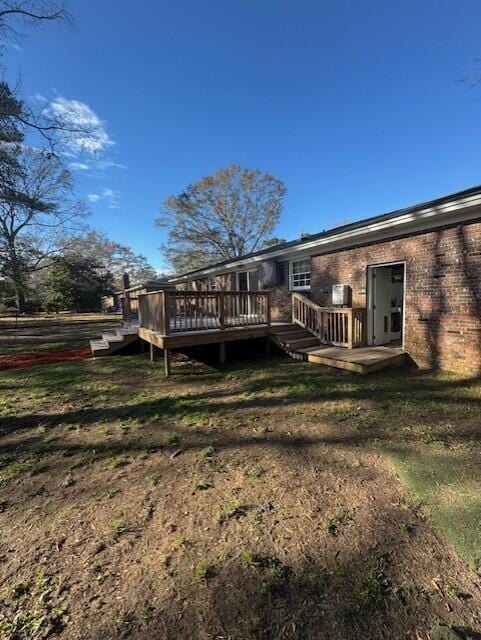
(338, 326)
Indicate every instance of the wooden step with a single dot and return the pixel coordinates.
(300, 343)
(110, 343)
(112, 337)
(98, 345)
(293, 335)
(363, 360)
(307, 350)
(283, 328)
(126, 331)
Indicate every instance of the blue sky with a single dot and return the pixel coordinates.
(359, 107)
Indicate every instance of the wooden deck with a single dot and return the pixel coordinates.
(361, 360)
(328, 336)
(202, 336)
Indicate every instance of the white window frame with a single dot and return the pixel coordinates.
(211, 280)
(248, 272)
(292, 286)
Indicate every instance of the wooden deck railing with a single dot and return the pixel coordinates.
(339, 326)
(130, 309)
(171, 312)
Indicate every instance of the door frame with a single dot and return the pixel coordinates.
(370, 299)
(251, 309)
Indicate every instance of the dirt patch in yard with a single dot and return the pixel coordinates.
(209, 506)
(18, 360)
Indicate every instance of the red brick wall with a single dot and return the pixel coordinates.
(443, 291)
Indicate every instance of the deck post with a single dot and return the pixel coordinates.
(153, 352)
(221, 352)
(268, 308)
(139, 309)
(350, 330)
(268, 346)
(166, 310)
(221, 311)
(167, 362)
(126, 311)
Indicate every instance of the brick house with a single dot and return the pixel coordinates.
(415, 273)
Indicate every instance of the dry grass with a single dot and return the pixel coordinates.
(54, 331)
(251, 503)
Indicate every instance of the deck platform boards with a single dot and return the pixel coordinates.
(205, 336)
(362, 360)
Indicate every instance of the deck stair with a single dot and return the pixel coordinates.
(110, 343)
(300, 344)
(290, 338)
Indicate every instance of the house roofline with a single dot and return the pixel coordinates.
(415, 215)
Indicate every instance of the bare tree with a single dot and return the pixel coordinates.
(36, 216)
(17, 15)
(225, 215)
(36, 210)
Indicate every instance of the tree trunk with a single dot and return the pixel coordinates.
(18, 279)
(21, 303)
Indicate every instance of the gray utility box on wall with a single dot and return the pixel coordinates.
(340, 295)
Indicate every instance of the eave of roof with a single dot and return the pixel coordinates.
(309, 240)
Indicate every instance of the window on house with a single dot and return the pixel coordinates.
(300, 274)
(211, 284)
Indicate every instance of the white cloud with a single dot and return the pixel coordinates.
(108, 196)
(110, 164)
(95, 165)
(86, 131)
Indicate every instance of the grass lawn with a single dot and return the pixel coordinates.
(261, 501)
(47, 332)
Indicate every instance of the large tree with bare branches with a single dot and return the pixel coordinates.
(36, 215)
(16, 17)
(225, 215)
(36, 208)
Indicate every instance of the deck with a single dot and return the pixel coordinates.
(331, 336)
(361, 360)
(201, 336)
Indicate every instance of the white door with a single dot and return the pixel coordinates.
(381, 286)
(248, 281)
